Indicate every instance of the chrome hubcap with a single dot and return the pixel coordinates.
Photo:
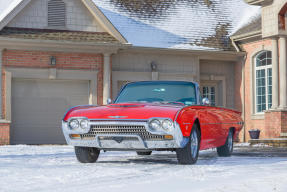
(194, 144)
(230, 141)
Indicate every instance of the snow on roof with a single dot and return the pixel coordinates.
(180, 24)
(252, 16)
(7, 6)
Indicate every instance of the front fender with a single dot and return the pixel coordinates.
(186, 118)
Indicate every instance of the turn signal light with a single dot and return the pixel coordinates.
(75, 136)
(168, 137)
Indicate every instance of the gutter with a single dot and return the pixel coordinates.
(243, 92)
(187, 51)
(247, 35)
(235, 45)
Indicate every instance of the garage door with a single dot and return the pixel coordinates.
(38, 107)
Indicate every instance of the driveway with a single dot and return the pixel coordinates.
(55, 168)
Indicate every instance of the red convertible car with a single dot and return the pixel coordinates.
(153, 116)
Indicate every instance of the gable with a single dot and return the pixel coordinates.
(35, 16)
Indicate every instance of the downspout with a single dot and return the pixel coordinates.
(235, 45)
(243, 92)
(1, 63)
(243, 88)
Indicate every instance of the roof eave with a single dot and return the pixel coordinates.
(13, 13)
(246, 36)
(61, 45)
(202, 54)
(104, 21)
(258, 2)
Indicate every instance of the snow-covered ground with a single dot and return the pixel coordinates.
(55, 168)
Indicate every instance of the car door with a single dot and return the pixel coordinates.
(210, 126)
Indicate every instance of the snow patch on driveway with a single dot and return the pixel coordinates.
(55, 168)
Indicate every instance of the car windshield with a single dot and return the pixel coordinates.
(162, 92)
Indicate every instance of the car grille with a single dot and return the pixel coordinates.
(139, 130)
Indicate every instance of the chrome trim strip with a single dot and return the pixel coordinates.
(177, 113)
(240, 123)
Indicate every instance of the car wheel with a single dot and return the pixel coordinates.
(87, 154)
(144, 152)
(189, 154)
(227, 149)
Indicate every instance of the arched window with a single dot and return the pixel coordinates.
(263, 81)
(56, 13)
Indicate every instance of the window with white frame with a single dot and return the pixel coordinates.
(263, 81)
(209, 91)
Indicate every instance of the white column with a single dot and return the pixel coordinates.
(1, 59)
(282, 65)
(154, 76)
(106, 78)
(275, 74)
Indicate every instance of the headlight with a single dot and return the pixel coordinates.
(84, 124)
(155, 125)
(74, 124)
(167, 125)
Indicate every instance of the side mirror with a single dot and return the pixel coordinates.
(109, 101)
(205, 101)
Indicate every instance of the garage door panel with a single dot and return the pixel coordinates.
(38, 107)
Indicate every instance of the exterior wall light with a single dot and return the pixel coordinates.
(153, 66)
(53, 60)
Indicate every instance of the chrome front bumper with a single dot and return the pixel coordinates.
(125, 141)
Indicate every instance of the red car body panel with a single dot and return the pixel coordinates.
(214, 122)
(126, 110)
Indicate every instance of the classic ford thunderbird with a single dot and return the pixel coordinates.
(152, 116)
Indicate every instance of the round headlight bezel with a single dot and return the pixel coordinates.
(160, 125)
(155, 125)
(167, 125)
(74, 124)
(84, 124)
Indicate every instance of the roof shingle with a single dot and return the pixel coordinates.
(179, 24)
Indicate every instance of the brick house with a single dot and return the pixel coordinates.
(55, 54)
(264, 90)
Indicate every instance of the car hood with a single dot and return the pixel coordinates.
(125, 111)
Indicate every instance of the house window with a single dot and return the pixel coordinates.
(210, 93)
(56, 13)
(263, 81)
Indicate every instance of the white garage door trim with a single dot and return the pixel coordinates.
(56, 74)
